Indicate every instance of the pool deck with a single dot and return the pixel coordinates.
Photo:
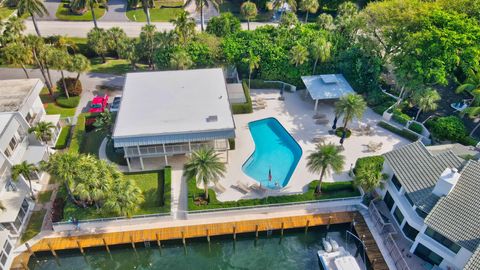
(296, 116)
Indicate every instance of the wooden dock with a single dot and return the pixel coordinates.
(206, 230)
(373, 252)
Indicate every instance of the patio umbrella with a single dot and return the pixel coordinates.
(335, 123)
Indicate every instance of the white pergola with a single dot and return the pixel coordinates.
(327, 86)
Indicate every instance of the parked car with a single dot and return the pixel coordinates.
(98, 104)
(115, 105)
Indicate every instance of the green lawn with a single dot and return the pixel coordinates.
(167, 12)
(64, 13)
(34, 225)
(45, 196)
(5, 12)
(52, 108)
(329, 191)
(113, 66)
(233, 6)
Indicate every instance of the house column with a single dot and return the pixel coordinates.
(189, 147)
(316, 104)
(128, 163)
(140, 157)
(165, 151)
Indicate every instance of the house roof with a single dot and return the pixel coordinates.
(160, 106)
(328, 86)
(474, 262)
(13, 93)
(418, 170)
(457, 215)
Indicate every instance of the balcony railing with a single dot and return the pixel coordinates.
(170, 149)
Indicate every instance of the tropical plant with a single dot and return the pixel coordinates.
(426, 100)
(288, 20)
(184, 27)
(128, 50)
(369, 177)
(309, 6)
(43, 131)
(104, 123)
(223, 25)
(116, 37)
(17, 55)
(253, 61)
(325, 21)
(127, 199)
(325, 159)
(205, 167)
(78, 64)
(471, 85)
(26, 170)
(350, 106)
(38, 48)
(321, 51)
(148, 44)
(91, 4)
(199, 4)
(62, 42)
(33, 8)
(180, 60)
(249, 11)
(98, 42)
(60, 59)
(298, 55)
(13, 29)
(280, 4)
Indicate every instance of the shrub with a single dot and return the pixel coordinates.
(400, 117)
(167, 177)
(365, 161)
(402, 132)
(339, 132)
(223, 25)
(244, 107)
(468, 140)
(71, 102)
(62, 140)
(74, 89)
(448, 128)
(416, 127)
(261, 84)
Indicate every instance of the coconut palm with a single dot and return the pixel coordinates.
(79, 64)
(116, 37)
(83, 4)
(249, 11)
(128, 51)
(199, 4)
(33, 8)
(325, 21)
(43, 131)
(298, 55)
(253, 62)
(205, 167)
(369, 177)
(426, 100)
(321, 51)
(184, 27)
(325, 159)
(37, 46)
(93, 180)
(128, 196)
(309, 6)
(17, 55)
(471, 85)
(281, 3)
(60, 59)
(26, 170)
(350, 106)
(180, 60)
(12, 30)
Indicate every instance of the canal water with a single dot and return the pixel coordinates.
(295, 250)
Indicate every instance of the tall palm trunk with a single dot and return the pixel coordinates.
(475, 129)
(64, 84)
(205, 186)
(315, 65)
(147, 12)
(35, 24)
(201, 15)
(249, 78)
(47, 69)
(42, 70)
(30, 184)
(92, 8)
(306, 17)
(418, 114)
(25, 70)
(77, 78)
(248, 23)
(318, 189)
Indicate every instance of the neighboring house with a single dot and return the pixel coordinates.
(434, 195)
(6, 247)
(172, 113)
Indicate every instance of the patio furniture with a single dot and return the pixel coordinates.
(374, 147)
(319, 116)
(318, 139)
(369, 130)
(219, 188)
(258, 188)
(462, 105)
(321, 121)
(258, 106)
(242, 187)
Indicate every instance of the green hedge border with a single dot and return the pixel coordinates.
(62, 140)
(162, 185)
(401, 132)
(78, 133)
(246, 107)
(71, 102)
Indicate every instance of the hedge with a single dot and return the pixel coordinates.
(244, 107)
(62, 140)
(71, 102)
(231, 142)
(400, 117)
(402, 132)
(78, 134)
(468, 140)
(447, 128)
(416, 127)
(167, 178)
(376, 160)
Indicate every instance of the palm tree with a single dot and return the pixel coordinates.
(184, 27)
(34, 8)
(204, 166)
(43, 131)
(25, 169)
(325, 21)
(60, 59)
(199, 7)
(98, 42)
(426, 100)
(180, 60)
(148, 43)
(298, 54)
(37, 47)
(13, 29)
(128, 50)
(309, 6)
(473, 113)
(116, 36)
(281, 3)
(472, 85)
(104, 123)
(82, 4)
(79, 64)
(369, 177)
(17, 54)
(321, 50)
(323, 160)
(249, 11)
(128, 197)
(350, 106)
(253, 62)
(94, 180)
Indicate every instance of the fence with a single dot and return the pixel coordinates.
(291, 87)
(395, 253)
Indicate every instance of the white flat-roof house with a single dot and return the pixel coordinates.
(433, 195)
(170, 113)
(6, 247)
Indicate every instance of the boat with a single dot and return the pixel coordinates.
(327, 246)
(337, 260)
(334, 244)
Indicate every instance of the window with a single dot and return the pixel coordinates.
(396, 183)
(428, 255)
(13, 142)
(398, 215)
(409, 231)
(7, 247)
(420, 213)
(29, 117)
(442, 240)
(8, 152)
(409, 200)
(388, 200)
(3, 258)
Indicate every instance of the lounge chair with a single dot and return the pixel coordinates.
(321, 121)
(258, 106)
(242, 187)
(319, 116)
(318, 139)
(258, 188)
(219, 188)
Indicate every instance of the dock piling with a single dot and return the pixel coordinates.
(158, 241)
(106, 245)
(208, 236)
(133, 243)
(256, 231)
(329, 222)
(30, 250)
(281, 229)
(307, 225)
(80, 247)
(25, 265)
(234, 233)
(52, 250)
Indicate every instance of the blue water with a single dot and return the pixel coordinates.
(275, 150)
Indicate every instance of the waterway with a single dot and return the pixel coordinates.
(295, 250)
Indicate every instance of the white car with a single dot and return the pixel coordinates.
(115, 105)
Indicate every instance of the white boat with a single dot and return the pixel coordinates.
(337, 260)
(334, 244)
(327, 246)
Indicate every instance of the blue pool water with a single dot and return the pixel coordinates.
(275, 151)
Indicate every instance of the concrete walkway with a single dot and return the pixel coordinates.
(116, 11)
(52, 6)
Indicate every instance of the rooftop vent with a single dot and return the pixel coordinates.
(212, 118)
(447, 181)
(329, 79)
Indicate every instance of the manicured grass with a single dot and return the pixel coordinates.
(401, 132)
(5, 12)
(233, 6)
(147, 182)
(64, 13)
(51, 107)
(62, 140)
(157, 14)
(112, 66)
(329, 191)
(34, 225)
(241, 108)
(78, 134)
(45, 196)
(91, 143)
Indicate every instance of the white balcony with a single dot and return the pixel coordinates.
(174, 149)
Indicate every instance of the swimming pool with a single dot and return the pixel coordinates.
(276, 154)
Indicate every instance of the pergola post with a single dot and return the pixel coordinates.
(316, 104)
(128, 163)
(140, 157)
(165, 151)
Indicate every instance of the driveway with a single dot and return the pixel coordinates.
(52, 6)
(116, 11)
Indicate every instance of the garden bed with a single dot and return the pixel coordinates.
(246, 107)
(64, 13)
(51, 107)
(401, 132)
(162, 12)
(34, 225)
